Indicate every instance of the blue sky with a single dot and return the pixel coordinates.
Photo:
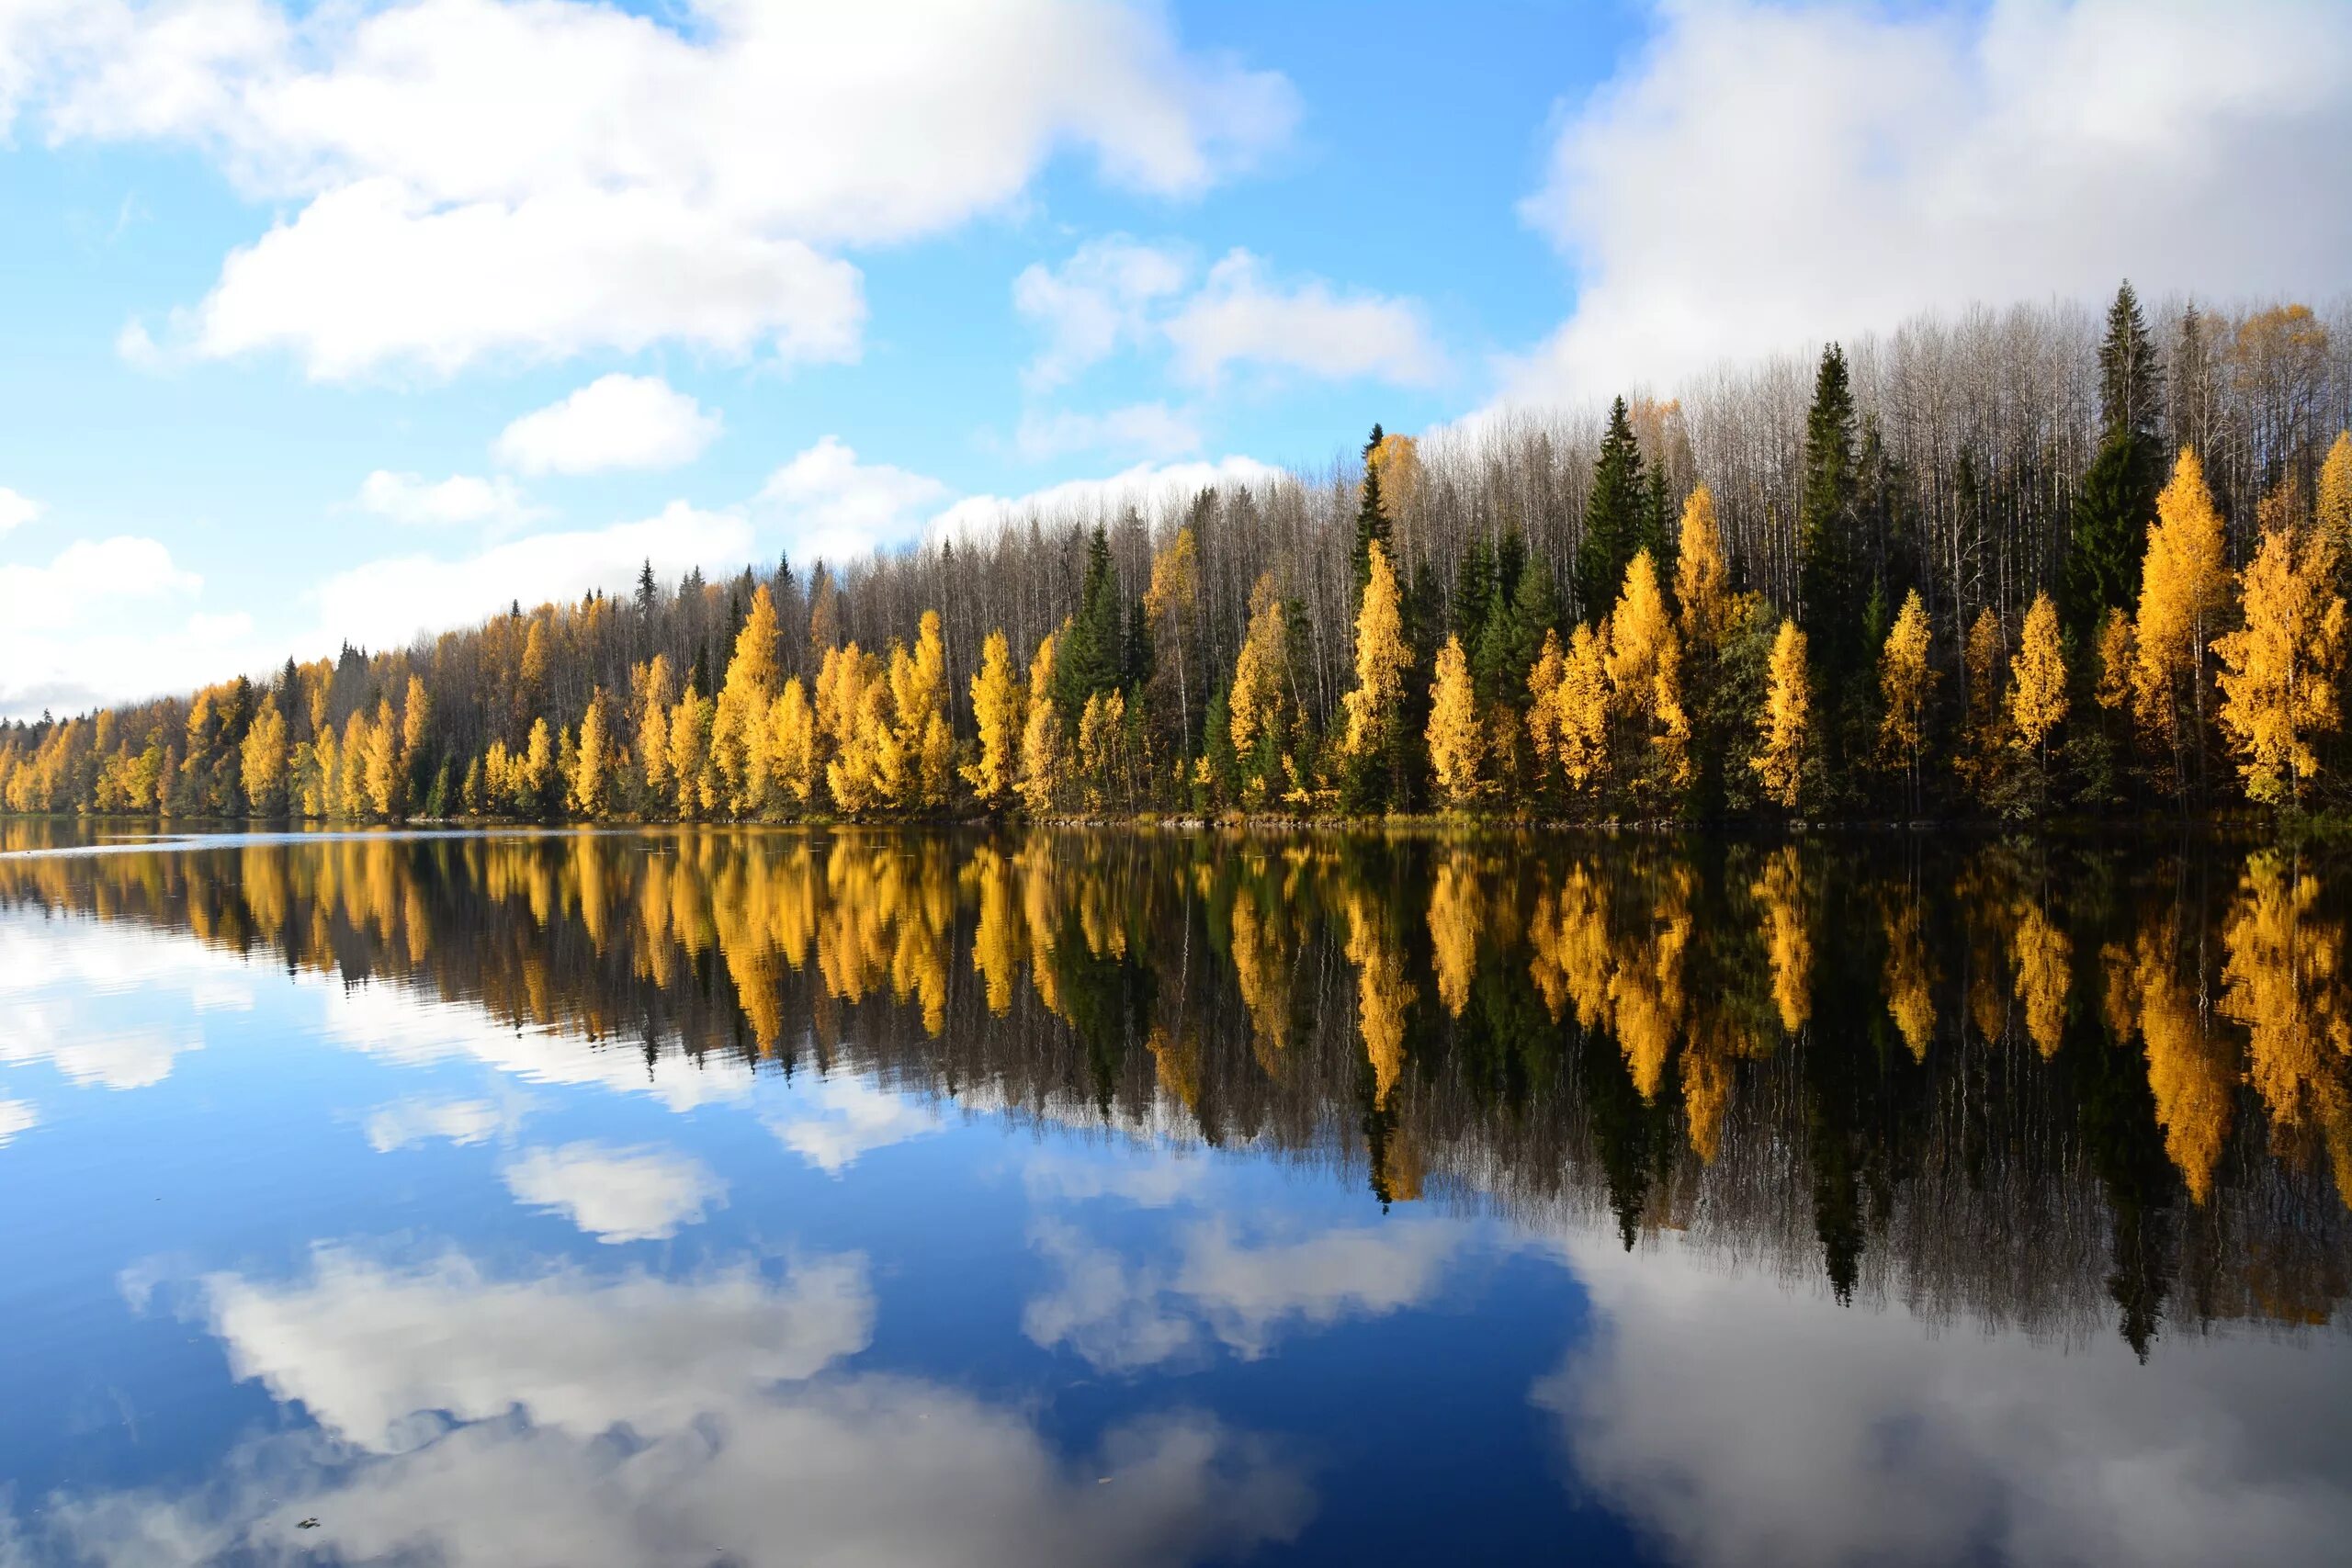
(279, 285)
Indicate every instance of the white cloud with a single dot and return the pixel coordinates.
(461, 498)
(17, 510)
(385, 604)
(1241, 316)
(97, 624)
(1120, 1318)
(15, 1117)
(841, 1119)
(555, 1417)
(1155, 489)
(368, 1348)
(1763, 176)
(1094, 302)
(62, 984)
(485, 179)
(641, 1194)
(1145, 430)
(613, 422)
(1892, 1441)
(830, 505)
(459, 1122)
(405, 1026)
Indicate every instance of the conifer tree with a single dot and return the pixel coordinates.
(1372, 523)
(1613, 517)
(2038, 688)
(591, 762)
(1041, 736)
(2184, 583)
(2118, 495)
(2280, 672)
(1782, 730)
(1827, 581)
(1456, 738)
(264, 760)
(1906, 686)
(1374, 706)
(1088, 657)
(996, 711)
(1644, 666)
(739, 747)
(792, 746)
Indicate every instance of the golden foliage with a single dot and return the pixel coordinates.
(1782, 730)
(1702, 584)
(1787, 937)
(1457, 742)
(2038, 677)
(2280, 670)
(2284, 981)
(1906, 683)
(2183, 585)
(997, 695)
(1382, 659)
(1644, 665)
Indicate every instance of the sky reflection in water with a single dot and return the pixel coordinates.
(1125, 1199)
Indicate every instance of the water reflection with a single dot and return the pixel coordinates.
(2033, 1086)
(1785, 1110)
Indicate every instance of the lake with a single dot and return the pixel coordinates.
(1128, 1197)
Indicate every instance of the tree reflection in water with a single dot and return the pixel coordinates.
(2034, 1086)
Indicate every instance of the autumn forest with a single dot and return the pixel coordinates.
(2017, 566)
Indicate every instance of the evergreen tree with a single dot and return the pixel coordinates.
(1372, 523)
(1612, 517)
(646, 590)
(1474, 590)
(1831, 604)
(1088, 658)
(2118, 498)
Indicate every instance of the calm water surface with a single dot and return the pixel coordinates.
(696, 1197)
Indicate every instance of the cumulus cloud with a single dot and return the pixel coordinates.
(15, 1117)
(1093, 303)
(415, 501)
(1242, 315)
(613, 422)
(841, 1119)
(827, 503)
(17, 510)
(105, 620)
(1122, 1316)
(1759, 176)
(641, 1194)
(473, 1420)
(1116, 293)
(481, 179)
(1891, 1442)
(459, 1122)
(385, 604)
(62, 985)
(1143, 430)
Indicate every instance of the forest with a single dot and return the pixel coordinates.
(2018, 565)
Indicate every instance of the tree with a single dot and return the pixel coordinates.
(1906, 684)
(1456, 740)
(1828, 581)
(1382, 659)
(1613, 517)
(2118, 491)
(1169, 604)
(1781, 728)
(1258, 700)
(416, 723)
(2037, 687)
(1371, 523)
(2334, 513)
(1645, 667)
(792, 745)
(382, 763)
(2281, 670)
(2183, 585)
(591, 763)
(921, 738)
(1702, 586)
(1088, 656)
(1041, 736)
(994, 773)
(1983, 751)
(738, 748)
(264, 759)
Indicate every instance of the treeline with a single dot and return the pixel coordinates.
(2013, 566)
